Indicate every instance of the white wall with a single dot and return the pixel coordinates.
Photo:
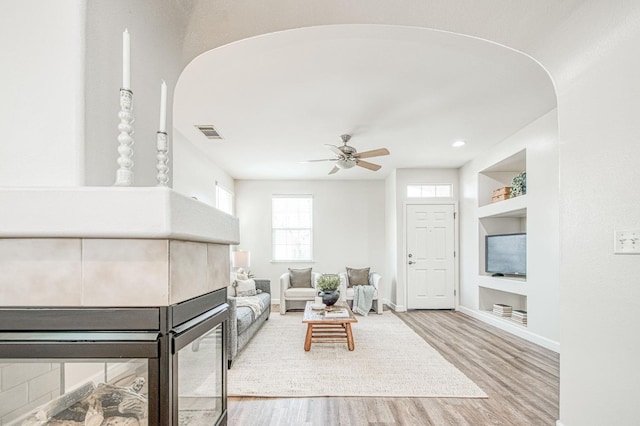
(403, 178)
(391, 230)
(540, 139)
(157, 29)
(599, 124)
(62, 80)
(349, 226)
(196, 174)
(42, 108)
(61, 87)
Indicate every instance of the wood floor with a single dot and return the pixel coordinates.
(520, 379)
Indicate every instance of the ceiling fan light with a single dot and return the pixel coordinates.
(345, 164)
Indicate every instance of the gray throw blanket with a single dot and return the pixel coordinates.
(363, 299)
(252, 302)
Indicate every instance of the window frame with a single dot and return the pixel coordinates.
(276, 259)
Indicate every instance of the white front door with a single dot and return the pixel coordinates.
(430, 256)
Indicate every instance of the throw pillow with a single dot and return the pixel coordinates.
(246, 288)
(300, 278)
(358, 276)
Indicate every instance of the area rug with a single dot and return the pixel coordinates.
(389, 360)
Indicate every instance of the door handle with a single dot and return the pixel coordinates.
(411, 262)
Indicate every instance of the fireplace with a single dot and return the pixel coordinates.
(115, 366)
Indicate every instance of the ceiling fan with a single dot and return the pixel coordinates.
(348, 157)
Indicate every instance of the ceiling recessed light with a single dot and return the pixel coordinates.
(458, 144)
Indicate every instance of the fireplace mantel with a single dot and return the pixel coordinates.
(112, 212)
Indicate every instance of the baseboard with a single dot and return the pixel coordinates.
(512, 328)
(394, 307)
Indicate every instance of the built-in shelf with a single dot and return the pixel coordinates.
(489, 296)
(499, 175)
(507, 284)
(500, 217)
(535, 152)
(506, 222)
(513, 207)
(502, 320)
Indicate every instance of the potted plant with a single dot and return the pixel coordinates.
(328, 286)
(519, 184)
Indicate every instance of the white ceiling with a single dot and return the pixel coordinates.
(278, 98)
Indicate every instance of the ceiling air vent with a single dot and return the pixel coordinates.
(209, 131)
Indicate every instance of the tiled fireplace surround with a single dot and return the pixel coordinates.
(108, 272)
(184, 257)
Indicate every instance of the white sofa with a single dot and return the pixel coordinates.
(290, 294)
(346, 293)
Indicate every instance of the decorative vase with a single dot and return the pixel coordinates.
(329, 298)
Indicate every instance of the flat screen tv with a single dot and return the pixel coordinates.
(506, 254)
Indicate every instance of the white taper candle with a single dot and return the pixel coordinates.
(163, 107)
(126, 60)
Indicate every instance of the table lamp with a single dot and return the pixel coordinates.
(240, 260)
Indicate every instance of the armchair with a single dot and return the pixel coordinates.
(288, 293)
(346, 292)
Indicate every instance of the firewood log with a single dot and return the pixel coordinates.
(65, 401)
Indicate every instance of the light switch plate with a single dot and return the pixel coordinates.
(627, 242)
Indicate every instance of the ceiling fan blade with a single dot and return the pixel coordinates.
(368, 165)
(335, 149)
(373, 153)
(315, 161)
(334, 170)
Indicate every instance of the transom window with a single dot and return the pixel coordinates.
(429, 190)
(292, 227)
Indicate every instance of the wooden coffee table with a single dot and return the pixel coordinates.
(323, 329)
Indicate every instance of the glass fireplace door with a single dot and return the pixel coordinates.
(199, 370)
(79, 382)
(200, 380)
